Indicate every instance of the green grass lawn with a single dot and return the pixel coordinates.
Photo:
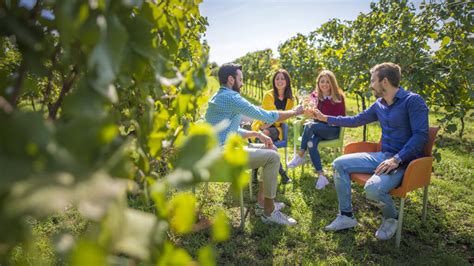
(446, 238)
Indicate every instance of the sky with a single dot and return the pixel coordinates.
(237, 27)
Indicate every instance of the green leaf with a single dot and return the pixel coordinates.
(135, 236)
(182, 210)
(88, 253)
(451, 128)
(220, 228)
(106, 58)
(173, 256)
(158, 194)
(206, 256)
(183, 101)
(446, 40)
(201, 139)
(234, 152)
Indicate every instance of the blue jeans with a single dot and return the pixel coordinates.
(313, 133)
(377, 187)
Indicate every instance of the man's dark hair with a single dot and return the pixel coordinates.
(390, 71)
(226, 70)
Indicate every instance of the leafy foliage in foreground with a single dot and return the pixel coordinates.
(96, 101)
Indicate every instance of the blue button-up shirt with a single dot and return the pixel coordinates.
(229, 105)
(404, 124)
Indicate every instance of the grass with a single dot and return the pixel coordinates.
(446, 238)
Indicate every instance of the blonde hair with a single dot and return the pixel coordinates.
(336, 92)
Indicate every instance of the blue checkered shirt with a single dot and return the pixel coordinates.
(229, 105)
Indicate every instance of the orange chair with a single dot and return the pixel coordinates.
(417, 174)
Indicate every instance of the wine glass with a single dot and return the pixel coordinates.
(313, 101)
(304, 98)
(302, 95)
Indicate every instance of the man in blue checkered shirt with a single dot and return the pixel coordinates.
(228, 106)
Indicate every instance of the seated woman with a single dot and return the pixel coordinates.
(280, 98)
(329, 99)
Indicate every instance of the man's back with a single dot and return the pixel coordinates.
(227, 104)
(221, 108)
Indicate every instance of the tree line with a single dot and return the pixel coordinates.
(433, 44)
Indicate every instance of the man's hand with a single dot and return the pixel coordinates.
(264, 126)
(298, 109)
(320, 116)
(265, 140)
(386, 166)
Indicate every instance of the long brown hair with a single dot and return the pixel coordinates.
(288, 92)
(336, 92)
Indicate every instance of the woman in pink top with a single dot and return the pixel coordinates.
(330, 101)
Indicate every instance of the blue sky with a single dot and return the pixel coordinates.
(237, 27)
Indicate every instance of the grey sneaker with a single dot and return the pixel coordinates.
(278, 218)
(278, 206)
(387, 229)
(341, 222)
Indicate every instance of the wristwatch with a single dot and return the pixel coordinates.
(398, 159)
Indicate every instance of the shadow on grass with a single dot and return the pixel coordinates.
(464, 147)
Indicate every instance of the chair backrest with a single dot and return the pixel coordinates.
(428, 149)
(419, 176)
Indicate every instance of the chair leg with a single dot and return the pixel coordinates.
(242, 214)
(286, 159)
(425, 203)
(206, 189)
(400, 223)
(250, 191)
(294, 154)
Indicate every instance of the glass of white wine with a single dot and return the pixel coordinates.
(302, 96)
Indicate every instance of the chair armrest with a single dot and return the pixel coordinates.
(417, 174)
(296, 121)
(297, 124)
(360, 147)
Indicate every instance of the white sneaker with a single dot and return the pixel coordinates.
(322, 182)
(296, 161)
(278, 218)
(387, 229)
(278, 206)
(341, 222)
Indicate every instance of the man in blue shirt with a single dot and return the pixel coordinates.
(403, 116)
(227, 107)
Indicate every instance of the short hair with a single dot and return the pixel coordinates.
(388, 70)
(226, 70)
